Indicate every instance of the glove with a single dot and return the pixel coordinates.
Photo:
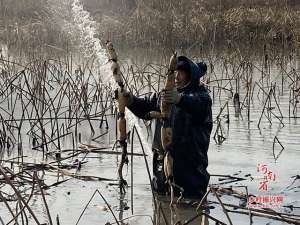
(128, 97)
(171, 96)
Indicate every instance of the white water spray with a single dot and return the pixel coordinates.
(3, 51)
(93, 46)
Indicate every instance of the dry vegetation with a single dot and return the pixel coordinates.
(32, 24)
(29, 24)
(188, 22)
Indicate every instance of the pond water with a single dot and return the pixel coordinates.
(241, 147)
(245, 147)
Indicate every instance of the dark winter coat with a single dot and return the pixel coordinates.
(191, 122)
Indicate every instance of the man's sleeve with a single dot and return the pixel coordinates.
(196, 104)
(142, 106)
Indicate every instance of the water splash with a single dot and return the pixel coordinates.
(87, 32)
(3, 50)
(92, 46)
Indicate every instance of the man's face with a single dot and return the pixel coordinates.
(182, 79)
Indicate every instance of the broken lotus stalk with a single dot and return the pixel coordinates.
(166, 130)
(121, 102)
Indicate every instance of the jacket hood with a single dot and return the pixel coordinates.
(197, 70)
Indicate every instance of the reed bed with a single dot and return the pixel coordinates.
(52, 103)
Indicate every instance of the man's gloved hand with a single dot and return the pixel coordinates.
(171, 96)
(128, 97)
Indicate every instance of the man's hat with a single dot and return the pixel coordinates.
(195, 70)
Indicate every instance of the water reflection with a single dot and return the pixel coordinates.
(183, 213)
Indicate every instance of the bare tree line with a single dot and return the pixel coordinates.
(168, 23)
(29, 24)
(185, 22)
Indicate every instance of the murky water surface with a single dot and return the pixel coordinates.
(244, 146)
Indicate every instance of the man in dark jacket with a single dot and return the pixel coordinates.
(191, 122)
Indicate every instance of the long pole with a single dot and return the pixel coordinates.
(121, 124)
